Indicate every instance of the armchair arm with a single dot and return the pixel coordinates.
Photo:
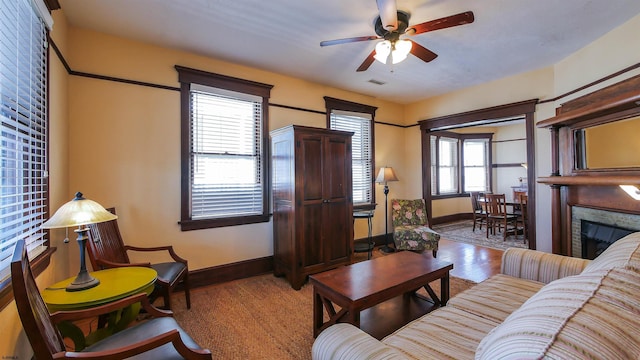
(168, 248)
(110, 264)
(345, 341)
(540, 266)
(171, 336)
(143, 299)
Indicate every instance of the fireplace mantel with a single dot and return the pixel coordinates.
(613, 180)
(575, 185)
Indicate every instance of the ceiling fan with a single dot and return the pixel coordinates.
(390, 25)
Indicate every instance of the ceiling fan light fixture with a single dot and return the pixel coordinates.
(383, 49)
(400, 51)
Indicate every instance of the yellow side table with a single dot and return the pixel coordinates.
(115, 284)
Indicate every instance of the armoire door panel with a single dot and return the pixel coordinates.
(338, 239)
(337, 163)
(311, 226)
(310, 170)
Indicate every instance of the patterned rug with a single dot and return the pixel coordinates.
(260, 317)
(462, 231)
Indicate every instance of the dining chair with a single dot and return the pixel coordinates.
(106, 249)
(411, 229)
(497, 215)
(522, 217)
(478, 211)
(159, 337)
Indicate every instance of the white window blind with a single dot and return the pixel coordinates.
(448, 166)
(23, 110)
(360, 124)
(226, 137)
(476, 167)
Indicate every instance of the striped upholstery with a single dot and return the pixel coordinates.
(447, 333)
(345, 341)
(586, 310)
(539, 266)
(496, 298)
(590, 316)
(624, 252)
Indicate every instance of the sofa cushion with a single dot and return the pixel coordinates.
(447, 333)
(496, 298)
(624, 252)
(593, 315)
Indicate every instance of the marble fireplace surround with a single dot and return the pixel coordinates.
(608, 217)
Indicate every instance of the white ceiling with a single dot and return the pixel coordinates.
(283, 36)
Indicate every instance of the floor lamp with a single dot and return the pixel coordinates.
(385, 175)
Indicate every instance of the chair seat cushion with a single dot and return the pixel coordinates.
(168, 272)
(415, 237)
(142, 332)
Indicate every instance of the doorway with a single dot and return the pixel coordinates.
(504, 114)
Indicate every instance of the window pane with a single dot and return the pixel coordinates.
(23, 130)
(476, 171)
(360, 124)
(448, 169)
(226, 156)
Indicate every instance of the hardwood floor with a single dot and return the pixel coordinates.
(471, 262)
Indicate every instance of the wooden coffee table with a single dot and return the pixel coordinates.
(390, 282)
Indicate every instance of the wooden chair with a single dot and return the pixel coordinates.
(107, 249)
(157, 338)
(497, 215)
(410, 226)
(479, 214)
(522, 217)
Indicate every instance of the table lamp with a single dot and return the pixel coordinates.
(385, 175)
(79, 212)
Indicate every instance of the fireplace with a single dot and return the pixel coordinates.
(593, 230)
(596, 237)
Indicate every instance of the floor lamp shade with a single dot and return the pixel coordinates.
(79, 212)
(385, 175)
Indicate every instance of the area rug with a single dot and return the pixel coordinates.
(260, 317)
(462, 231)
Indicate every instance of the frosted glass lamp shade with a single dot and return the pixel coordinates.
(383, 49)
(78, 212)
(400, 51)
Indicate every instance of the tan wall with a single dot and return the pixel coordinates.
(130, 158)
(119, 143)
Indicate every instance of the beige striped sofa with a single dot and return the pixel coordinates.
(541, 306)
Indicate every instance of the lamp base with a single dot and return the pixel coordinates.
(387, 250)
(83, 281)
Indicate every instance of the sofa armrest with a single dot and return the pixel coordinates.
(345, 341)
(540, 266)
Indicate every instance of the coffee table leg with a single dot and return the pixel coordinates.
(317, 313)
(444, 289)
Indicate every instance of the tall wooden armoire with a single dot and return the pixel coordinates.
(312, 201)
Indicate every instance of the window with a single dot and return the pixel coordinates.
(448, 151)
(356, 118)
(23, 114)
(224, 150)
(476, 164)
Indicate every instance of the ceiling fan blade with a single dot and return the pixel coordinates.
(348, 40)
(422, 52)
(367, 62)
(388, 14)
(442, 23)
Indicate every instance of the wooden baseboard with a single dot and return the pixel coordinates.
(264, 265)
(229, 272)
(452, 218)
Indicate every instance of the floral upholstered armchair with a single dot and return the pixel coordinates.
(410, 226)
